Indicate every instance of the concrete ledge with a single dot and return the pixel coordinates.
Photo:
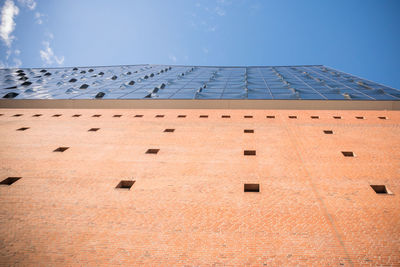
(199, 104)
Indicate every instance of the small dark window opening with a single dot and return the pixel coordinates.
(117, 116)
(76, 115)
(292, 117)
(248, 131)
(37, 115)
(379, 189)
(181, 116)
(359, 117)
(61, 149)
(23, 129)
(249, 152)
(270, 117)
(225, 116)
(382, 118)
(314, 117)
(17, 115)
(348, 153)
(248, 116)
(93, 129)
(152, 151)
(125, 184)
(252, 188)
(203, 116)
(169, 130)
(328, 132)
(138, 116)
(159, 116)
(10, 180)
(57, 115)
(337, 117)
(96, 115)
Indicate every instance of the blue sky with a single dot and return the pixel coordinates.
(361, 37)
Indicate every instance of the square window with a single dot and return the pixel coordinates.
(169, 130)
(382, 118)
(181, 116)
(93, 129)
(380, 189)
(348, 153)
(314, 117)
(10, 180)
(203, 116)
(159, 116)
(248, 117)
(359, 117)
(337, 117)
(328, 132)
(249, 152)
(270, 117)
(225, 116)
(60, 149)
(292, 117)
(76, 115)
(117, 116)
(248, 131)
(57, 115)
(96, 115)
(252, 188)
(152, 151)
(37, 115)
(125, 184)
(138, 116)
(23, 129)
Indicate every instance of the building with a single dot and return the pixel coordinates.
(187, 165)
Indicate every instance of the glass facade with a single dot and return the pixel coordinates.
(190, 82)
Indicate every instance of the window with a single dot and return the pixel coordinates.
(37, 115)
(252, 188)
(248, 131)
(23, 129)
(169, 130)
(76, 115)
(125, 184)
(270, 117)
(96, 115)
(380, 189)
(337, 117)
(328, 132)
(248, 117)
(60, 149)
(203, 116)
(152, 151)
(57, 115)
(10, 180)
(348, 153)
(225, 116)
(117, 116)
(93, 129)
(138, 116)
(181, 116)
(18, 115)
(382, 118)
(292, 117)
(359, 117)
(314, 117)
(159, 116)
(249, 152)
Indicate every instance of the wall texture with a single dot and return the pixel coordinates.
(187, 205)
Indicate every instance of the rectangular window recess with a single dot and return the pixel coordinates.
(152, 151)
(138, 116)
(159, 116)
(337, 117)
(93, 129)
(225, 116)
(96, 115)
(381, 189)
(57, 115)
(60, 149)
(37, 115)
(117, 116)
(348, 153)
(314, 117)
(252, 188)
(181, 116)
(10, 180)
(292, 117)
(169, 130)
(248, 117)
(270, 117)
(203, 116)
(328, 132)
(359, 117)
(18, 115)
(76, 115)
(23, 129)
(125, 184)
(382, 118)
(248, 131)
(249, 152)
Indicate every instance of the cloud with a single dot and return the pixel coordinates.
(7, 25)
(17, 62)
(38, 17)
(173, 58)
(47, 55)
(205, 50)
(17, 52)
(220, 12)
(31, 4)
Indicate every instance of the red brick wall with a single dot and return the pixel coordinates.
(187, 206)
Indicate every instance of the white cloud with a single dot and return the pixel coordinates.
(220, 12)
(17, 52)
(47, 55)
(17, 62)
(31, 4)
(38, 17)
(173, 58)
(7, 25)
